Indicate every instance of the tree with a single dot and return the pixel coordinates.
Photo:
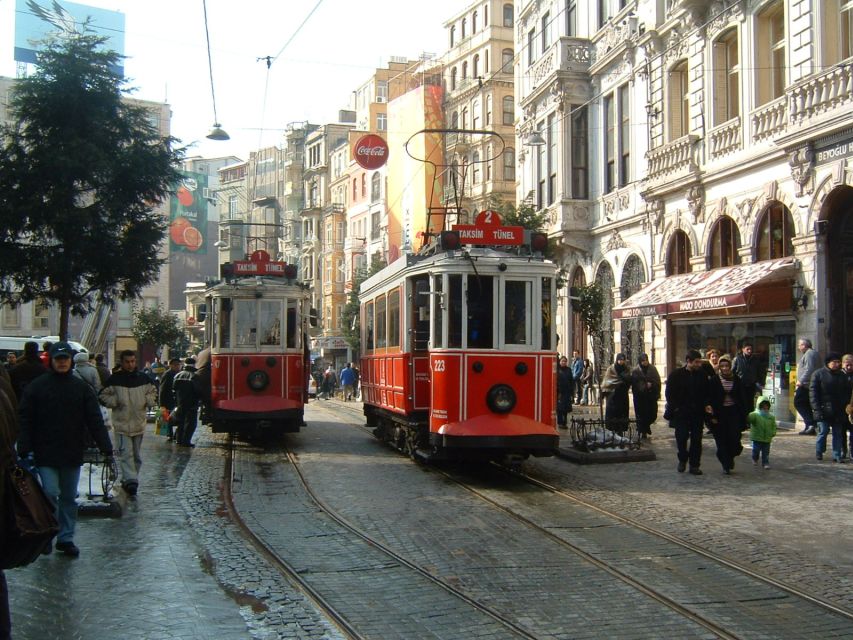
(588, 301)
(522, 215)
(351, 318)
(158, 328)
(81, 169)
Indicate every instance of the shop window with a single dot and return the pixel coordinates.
(726, 87)
(678, 105)
(725, 242)
(678, 254)
(775, 233)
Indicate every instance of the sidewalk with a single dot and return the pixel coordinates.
(142, 575)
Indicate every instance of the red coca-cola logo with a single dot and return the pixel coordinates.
(371, 152)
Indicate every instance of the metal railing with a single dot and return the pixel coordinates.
(591, 434)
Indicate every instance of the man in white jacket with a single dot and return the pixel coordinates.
(129, 392)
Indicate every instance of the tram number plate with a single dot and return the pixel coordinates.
(439, 365)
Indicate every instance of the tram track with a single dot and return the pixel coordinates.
(274, 559)
(845, 615)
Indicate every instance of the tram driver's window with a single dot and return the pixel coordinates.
(454, 312)
(438, 316)
(269, 322)
(368, 325)
(291, 325)
(246, 323)
(420, 313)
(480, 312)
(223, 326)
(516, 303)
(547, 311)
(381, 319)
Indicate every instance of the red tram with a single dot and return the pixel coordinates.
(459, 347)
(256, 330)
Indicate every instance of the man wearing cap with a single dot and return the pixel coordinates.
(129, 392)
(829, 392)
(56, 412)
(188, 396)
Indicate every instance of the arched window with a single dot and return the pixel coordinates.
(474, 17)
(375, 187)
(678, 254)
(603, 345)
(509, 164)
(775, 233)
(476, 65)
(464, 27)
(452, 35)
(508, 15)
(475, 168)
(508, 111)
(486, 62)
(453, 79)
(464, 69)
(454, 120)
(678, 102)
(724, 245)
(631, 330)
(475, 114)
(579, 333)
(507, 56)
(488, 115)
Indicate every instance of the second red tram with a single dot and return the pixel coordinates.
(256, 330)
(459, 353)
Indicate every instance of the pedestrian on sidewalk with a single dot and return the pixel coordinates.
(762, 429)
(57, 415)
(829, 392)
(751, 372)
(577, 372)
(688, 399)
(588, 382)
(808, 363)
(129, 392)
(729, 416)
(617, 382)
(167, 394)
(27, 369)
(645, 384)
(565, 391)
(188, 395)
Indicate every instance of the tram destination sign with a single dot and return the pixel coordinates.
(247, 268)
(487, 230)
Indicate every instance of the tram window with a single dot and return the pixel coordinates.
(246, 323)
(269, 322)
(381, 318)
(547, 311)
(480, 312)
(394, 319)
(223, 327)
(292, 324)
(368, 325)
(438, 316)
(454, 311)
(420, 313)
(516, 312)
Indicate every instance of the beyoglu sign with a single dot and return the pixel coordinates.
(487, 230)
(370, 152)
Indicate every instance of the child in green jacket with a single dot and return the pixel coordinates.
(762, 428)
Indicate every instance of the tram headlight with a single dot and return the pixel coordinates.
(501, 398)
(258, 380)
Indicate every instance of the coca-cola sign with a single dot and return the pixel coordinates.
(371, 152)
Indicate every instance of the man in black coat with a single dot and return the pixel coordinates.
(751, 372)
(167, 393)
(57, 412)
(829, 392)
(26, 369)
(188, 397)
(689, 397)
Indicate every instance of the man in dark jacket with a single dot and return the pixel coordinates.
(8, 434)
(645, 383)
(167, 394)
(688, 399)
(829, 392)
(27, 369)
(751, 372)
(808, 363)
(103, 370)
(188, 397)
(56, 413)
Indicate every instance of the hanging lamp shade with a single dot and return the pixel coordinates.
(218, 133)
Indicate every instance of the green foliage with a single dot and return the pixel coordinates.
(80, 167)
(159, 328)
(522, 215)
(589, 303)
(351, 318)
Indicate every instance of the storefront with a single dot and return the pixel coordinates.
(721, 309)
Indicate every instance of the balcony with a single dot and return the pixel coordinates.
(672, 161)
(820, 94)
(566, 56)
(725, 139)
(769, 120)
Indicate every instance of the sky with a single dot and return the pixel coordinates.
(311, 78)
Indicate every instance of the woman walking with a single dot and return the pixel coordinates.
(645, 383)
(729, 419)
(565, 389)
(617, 381)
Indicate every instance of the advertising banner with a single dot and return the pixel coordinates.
(188, 215)
(36, 20)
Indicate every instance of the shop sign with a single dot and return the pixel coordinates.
(835, 152)
(370, 152)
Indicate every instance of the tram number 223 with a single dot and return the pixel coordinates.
(438, 365)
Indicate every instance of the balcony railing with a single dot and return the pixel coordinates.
(673, 160)
(726, 138)
(567, 54)
(818, 94)
(770, 119)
